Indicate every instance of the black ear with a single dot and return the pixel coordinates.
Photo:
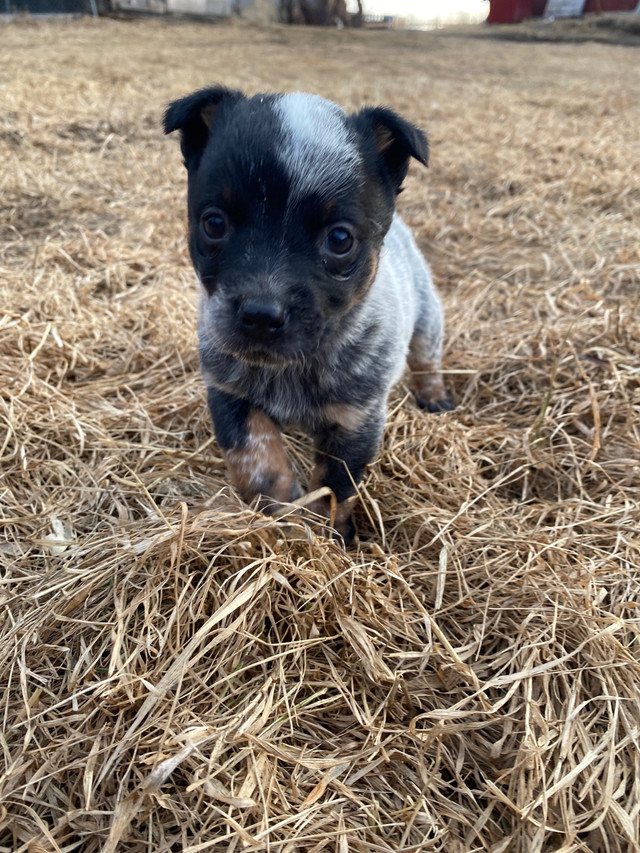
(395, 139)
(194, 116)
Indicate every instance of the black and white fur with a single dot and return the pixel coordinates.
(313, 293)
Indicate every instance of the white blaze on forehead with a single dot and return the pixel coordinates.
(319, 151)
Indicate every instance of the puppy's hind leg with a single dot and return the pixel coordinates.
(425, 356)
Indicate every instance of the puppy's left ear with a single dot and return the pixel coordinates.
(395, 139)
(194, 116)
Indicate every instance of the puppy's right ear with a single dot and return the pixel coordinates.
(194, 116)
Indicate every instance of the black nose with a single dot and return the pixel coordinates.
(262, 320)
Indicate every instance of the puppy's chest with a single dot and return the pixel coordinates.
(294, 396)
(289, 398)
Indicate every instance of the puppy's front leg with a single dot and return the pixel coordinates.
(253, 451)
(343, 450)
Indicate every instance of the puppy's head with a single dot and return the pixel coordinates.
(289, 201)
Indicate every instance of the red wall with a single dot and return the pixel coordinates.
(508, 11)
(610, 6)
(512, 11)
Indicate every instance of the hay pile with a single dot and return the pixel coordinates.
(182, 674)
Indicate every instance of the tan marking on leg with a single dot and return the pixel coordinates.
(345, 415)
(317, 476)
(426, 383)
(210, 382)
(260, 466)
(426, 378)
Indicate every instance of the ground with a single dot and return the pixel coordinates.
(181, 673)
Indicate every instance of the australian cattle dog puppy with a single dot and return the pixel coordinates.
(314, 295)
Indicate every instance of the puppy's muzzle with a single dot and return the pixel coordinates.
(262, 321)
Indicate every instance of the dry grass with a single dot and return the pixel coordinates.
(612, 28)
(182, 674)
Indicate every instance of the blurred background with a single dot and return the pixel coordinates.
(371, 14)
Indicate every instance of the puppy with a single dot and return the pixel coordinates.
(314, 295)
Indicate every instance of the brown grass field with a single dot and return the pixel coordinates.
(180, 673)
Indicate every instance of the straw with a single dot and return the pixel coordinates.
(180, 672)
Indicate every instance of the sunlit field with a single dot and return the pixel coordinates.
(182, 673)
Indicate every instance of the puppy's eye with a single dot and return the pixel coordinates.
(339, 241)
(215, 226)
